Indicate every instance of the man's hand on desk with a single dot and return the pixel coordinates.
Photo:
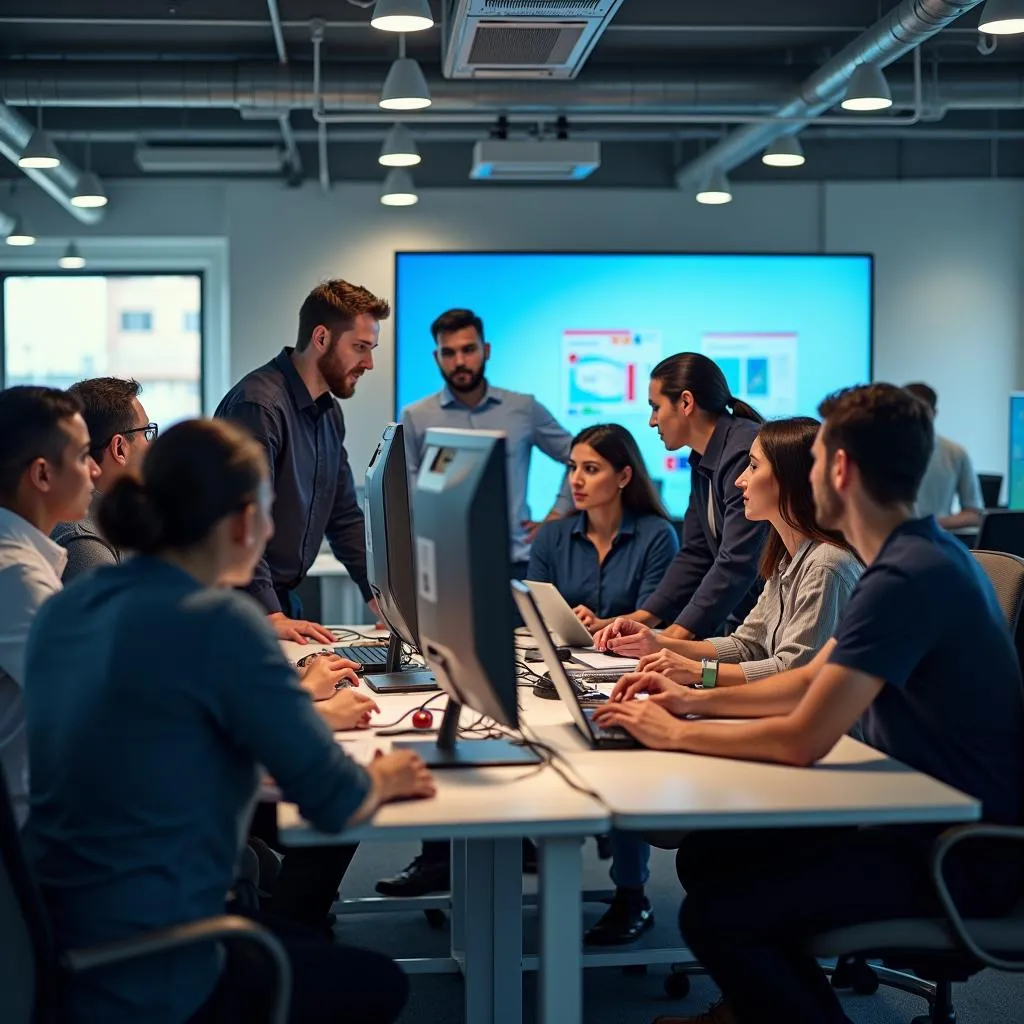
(677, 632)
(299, 630)
(661, 692)
(401, 775)
(379, 623)
(347, 710)
(648, 722)
(321, 677)
(627, 637)
(673, 665)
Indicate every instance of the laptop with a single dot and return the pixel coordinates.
(615, 738)
(559, 618)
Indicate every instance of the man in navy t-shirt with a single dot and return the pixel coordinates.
(922, 666)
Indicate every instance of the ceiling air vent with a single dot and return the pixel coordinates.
(523, 38)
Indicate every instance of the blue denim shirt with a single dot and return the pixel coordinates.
(526, 425)
(643, 549)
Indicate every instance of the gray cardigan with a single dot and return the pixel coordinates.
(796, 614)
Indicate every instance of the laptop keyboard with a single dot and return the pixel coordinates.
(615, 732)
(595, 677)
(365, 655)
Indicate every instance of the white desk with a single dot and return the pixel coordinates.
(640, 790)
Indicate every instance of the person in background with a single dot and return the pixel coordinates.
(289, 407)
(119, 432)
(895, 671)
(612, 552)
(469, 402)
(46, 475)
(713, 582)
(809, 575)
(950, 474)
(605, 559)
(147, 760)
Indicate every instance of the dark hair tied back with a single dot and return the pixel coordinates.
(703, 378)
(129, 519)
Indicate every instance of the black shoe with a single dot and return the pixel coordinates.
(623, 922)
(418, 879)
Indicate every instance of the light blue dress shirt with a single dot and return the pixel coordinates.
(525, 423)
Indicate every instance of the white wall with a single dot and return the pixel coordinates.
(949, 267)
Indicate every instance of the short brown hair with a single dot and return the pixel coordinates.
(107, 406)
(887, 432)
(926, 393)
(335, 304)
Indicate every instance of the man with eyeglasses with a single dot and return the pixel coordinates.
(120, 433)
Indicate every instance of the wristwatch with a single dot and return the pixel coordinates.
(708, 673)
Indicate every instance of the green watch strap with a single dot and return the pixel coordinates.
(708, 673)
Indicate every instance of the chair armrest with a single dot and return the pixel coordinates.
(227, 927)
(946, 842)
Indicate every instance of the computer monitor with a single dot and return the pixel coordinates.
(1015, 484)
(464, 602)
(390, 567)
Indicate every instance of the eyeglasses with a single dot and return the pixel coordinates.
(149, 431)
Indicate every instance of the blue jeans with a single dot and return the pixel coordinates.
(631, 857)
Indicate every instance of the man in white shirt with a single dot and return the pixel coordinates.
(950, 474)
(46, 476)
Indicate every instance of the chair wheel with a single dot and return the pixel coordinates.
(635, 969)
(677, 985)
(435, 918)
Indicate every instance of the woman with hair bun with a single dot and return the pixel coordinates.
(154, 696)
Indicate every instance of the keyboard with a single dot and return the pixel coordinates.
(595, 677)
(613, 736)
(364, 655)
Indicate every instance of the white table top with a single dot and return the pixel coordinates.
(325, 564)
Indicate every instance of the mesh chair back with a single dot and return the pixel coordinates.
(1006, 573)
(1002, 531)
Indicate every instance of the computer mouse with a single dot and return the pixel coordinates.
(564, 654)
(422, 719)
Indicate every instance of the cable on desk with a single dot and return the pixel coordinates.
(553, 757)
(412, 711)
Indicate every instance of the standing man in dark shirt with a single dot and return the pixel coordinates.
(922, 664)
(289, 406)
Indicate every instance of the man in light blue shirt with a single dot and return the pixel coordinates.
(468, 402)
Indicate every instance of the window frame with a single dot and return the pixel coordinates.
(141, 272)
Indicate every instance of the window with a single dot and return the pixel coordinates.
(136, 320)
(123, 326)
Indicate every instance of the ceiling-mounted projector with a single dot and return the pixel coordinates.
(534, 160)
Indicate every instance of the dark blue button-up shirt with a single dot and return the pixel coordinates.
(563, 555)
(713, 582)
(315, 492)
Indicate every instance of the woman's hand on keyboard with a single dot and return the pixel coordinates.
(627, 637)
(660, 690)
(646, 721)
(675, 666)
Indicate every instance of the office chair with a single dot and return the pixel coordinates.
(1002, 530)
(943, 950)
(991, 485)
(31, 969)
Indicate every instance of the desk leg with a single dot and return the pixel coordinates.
(493, 931)
(560, 982)
(458, 912)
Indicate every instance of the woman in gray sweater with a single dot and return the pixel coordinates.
(809, 574)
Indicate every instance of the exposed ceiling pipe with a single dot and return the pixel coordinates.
(272, 89)
(285, 121)
(60, 182)
(903, 29)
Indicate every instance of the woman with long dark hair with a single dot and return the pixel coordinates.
(712, 583)
(610, 555)
(809, 574)
(154, 696)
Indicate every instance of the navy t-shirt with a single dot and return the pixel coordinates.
(924, 618)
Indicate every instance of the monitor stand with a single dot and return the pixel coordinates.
(449, 753)
(396, 680)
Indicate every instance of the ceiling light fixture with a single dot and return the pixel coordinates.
(89, 192)
(40, 154)
(402, 16)
(716, 191)
(72, 258)
(19, 236)
(867, 90)
(406, 87)
(785, 151)
(398, 189)
(399, 149)
(1002, 18)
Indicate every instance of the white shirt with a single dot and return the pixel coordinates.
(30, 569)
(949, 475)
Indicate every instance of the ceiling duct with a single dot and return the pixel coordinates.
(534, 160)
(899, 32)
(523, 38)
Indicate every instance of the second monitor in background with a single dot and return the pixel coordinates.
(465, 611)
(390, 565)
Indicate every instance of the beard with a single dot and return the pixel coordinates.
(463, 380)
(828, 507)
(341, 381)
